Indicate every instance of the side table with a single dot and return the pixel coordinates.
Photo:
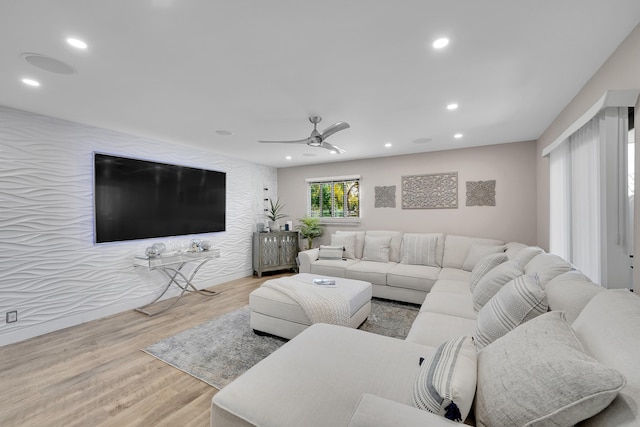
(171, 265)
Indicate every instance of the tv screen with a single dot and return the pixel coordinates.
(139, 199)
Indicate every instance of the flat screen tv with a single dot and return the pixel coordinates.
(139, 199)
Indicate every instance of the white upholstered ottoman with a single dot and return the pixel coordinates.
(283, 313)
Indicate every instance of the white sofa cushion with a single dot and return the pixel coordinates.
(456, 249)
(370, 271)
(302, 384)
(570, 292)
(492, 282)
(348, 243)
(608, 328)
(547, 266)
(485, 265)
(433, 329)
(418, 277)
(477, 252)
(539, 375)
(460, 305)
(454, 274)
(335, 268)
(517, 302)
(376, 411)
(420, 249)
(376, 248)
(451, 286)
(446, 383)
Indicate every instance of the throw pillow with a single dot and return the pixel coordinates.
(419, 249)
(330, 252)
(477, 251)
(376, 248)
(493, 281)
(538, 374)
(446, 382)
(518, 301)
(347, 241)
(527, 254)
(485, 265)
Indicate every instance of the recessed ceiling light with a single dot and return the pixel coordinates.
(31, 82)
(457, 136)
(388, 145)
(288, 157)
(452, 106)
(223, 132)
(440, 43)
(77, 43)
(422, 140)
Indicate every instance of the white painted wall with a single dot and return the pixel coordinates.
(513, 166)
(50, 270)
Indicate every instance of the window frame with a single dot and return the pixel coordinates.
(332, 180)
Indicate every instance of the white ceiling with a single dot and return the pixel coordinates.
(180, 70)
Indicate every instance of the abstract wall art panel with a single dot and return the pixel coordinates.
(481, 193)
(385, 197)
(431, 191)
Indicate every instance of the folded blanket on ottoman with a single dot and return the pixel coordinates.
(321, 305)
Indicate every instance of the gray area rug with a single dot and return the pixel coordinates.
(221, 349)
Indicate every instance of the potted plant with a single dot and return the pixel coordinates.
(274, 213)
(309, 229)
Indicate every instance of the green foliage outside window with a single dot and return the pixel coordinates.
(337, 199)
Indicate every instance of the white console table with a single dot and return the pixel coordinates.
(171, 265)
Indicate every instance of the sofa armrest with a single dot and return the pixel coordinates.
(306, 258)
(380, 412)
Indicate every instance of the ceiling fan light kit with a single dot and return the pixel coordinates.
(317, 139)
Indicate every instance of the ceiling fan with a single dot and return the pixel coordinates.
(317, 139)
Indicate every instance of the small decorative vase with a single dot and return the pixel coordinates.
(152, 251)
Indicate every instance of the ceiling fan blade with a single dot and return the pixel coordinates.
(336, 127)
(332, 147)
(298, 141)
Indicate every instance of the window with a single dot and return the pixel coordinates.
(334, 198)
(590, 194)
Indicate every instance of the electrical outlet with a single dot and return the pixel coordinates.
(12, 316)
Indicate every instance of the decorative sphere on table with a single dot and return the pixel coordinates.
(152, 251)
(205, 245)
(161, 247)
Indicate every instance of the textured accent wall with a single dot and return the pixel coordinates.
(50, 270)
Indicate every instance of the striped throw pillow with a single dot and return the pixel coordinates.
(518, 301)
(485, 265)
(493, 281)
(419, 249)
(446, 382)
(330, 252)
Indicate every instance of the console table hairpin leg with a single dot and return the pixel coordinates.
(173, 273)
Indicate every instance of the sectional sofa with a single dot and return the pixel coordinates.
(506, 335)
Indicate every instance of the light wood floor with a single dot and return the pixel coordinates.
(95, 374)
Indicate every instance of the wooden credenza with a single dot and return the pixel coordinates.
(274, 251)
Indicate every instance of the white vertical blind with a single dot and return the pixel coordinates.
(584, 149)
(589, 201)
(560, 197)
